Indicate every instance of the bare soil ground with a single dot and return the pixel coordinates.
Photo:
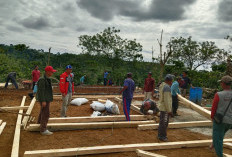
(87, 138)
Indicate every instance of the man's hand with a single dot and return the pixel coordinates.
(63, 94)
(43, 104)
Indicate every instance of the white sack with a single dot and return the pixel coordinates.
(95, 114)
(97, 106)
(79, 101)
(112, 107)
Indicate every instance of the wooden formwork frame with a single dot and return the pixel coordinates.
(131, 147)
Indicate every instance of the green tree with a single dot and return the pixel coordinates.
(195, 54)
(108, 43)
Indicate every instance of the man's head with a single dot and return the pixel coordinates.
(36, 67)
(49, 71)
(168, 79)
(69, 69)
(178, 79)
(185, 73)
(129, 75)
(226, 82)
(149, 74)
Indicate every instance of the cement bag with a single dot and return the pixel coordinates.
(111, 107)
(97, 106)
(95, 114)
(79, 101)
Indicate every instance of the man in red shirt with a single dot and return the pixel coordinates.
(149, 85)
(66, 88)
(222, 104)
(35, 75)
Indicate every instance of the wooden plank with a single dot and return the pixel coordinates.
(208, 108)
(226, 155)
(177, 125)
(15, 146)
(2, 127)
(142, 153)
(97, 119)
(227, 145)
(133, 107)
(118, 148)
(195, 107)
(136, 109)
(96, 125)
(25, 118)
(14, 108)
(101, 100)
(0, 121)
(96, 96)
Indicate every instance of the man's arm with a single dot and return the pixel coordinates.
(124, 88)
(215, 105)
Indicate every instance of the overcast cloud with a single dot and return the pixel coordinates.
(58, 23)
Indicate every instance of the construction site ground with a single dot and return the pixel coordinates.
(87, 138)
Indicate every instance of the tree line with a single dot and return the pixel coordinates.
(108, 51)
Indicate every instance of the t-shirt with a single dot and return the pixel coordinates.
(175, 88)
(106, 74)
(149, 84)
(82, 79)
(35, 75)
(128, 93)
(69, 79)
(187, 81)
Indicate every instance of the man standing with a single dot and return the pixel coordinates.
(45, 96)
(105, 77)
(165, 107)
(149, 85)
(186, 82)
(221, 101)
(66, 88)
(35, 75)
(82, 80)
(128, 90)
(175, 90)
(11, 76)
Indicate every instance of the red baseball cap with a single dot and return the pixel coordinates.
(50, 68)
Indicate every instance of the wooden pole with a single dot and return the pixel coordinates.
(96, 119)
(118, 148)
(96, 125)
(142, 153)
(15, 147)
(176, 125)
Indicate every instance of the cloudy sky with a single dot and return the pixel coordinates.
(41, 24)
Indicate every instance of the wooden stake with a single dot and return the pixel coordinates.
(14, 108)
(118, 148)
(97, 119)
(25, 119)
(142, 153)
(15, 147)
(2, 127)
(195, 107)
(97, 125)
(177, 125)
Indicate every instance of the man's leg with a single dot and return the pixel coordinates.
(174, 104)
(44, 116)
(33, 85)
(218, 135)
(126, 108)
(64, 105)
(7, 80)
(14, 82)
(163, 124)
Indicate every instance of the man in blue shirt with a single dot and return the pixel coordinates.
(105, 77)
(175, 90)
(128, 90)
(82, 79)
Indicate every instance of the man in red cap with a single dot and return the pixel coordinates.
(45, 96)
(66, 88)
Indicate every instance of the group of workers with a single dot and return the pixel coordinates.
(167, 104)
